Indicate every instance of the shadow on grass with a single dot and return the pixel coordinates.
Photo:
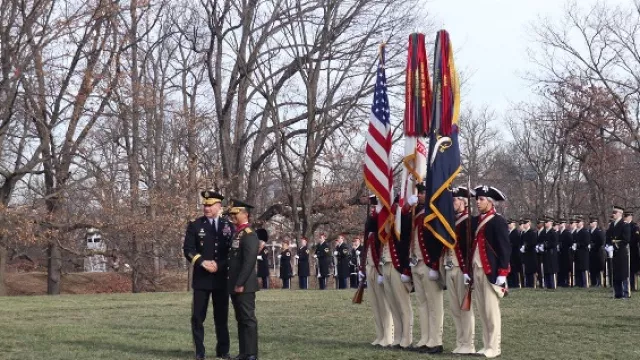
(132, 348)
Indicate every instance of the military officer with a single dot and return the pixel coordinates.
(550, 253)
(634, 250)
(458, 275)
(582, 245)
(206, 245)
(242, 280)
(285, 264)
(342, 253)
(323, 258)
(540, 251)
(263, 258)
(596, 260)
(528, 249)
(516, 261)
(490, 266)
(618, 238)
(303, 265)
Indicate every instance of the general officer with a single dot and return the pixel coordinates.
(206, 245)
(243, 284)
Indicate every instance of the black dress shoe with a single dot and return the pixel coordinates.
(252, 357)
(224, 357)
(239, 357)
(418, 348)
(395, 347)
(435, 350)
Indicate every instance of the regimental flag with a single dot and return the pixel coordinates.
(444, 151)
(378, 170)
(417, 116)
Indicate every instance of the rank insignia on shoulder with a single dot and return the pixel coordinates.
(248, 230)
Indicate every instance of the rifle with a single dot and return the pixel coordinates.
(357, 297)
(466, 302)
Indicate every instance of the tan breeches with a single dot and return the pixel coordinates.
(380, 308)
(400, 304)
(430, 306)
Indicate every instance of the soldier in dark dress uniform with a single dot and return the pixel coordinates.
(263, 258)
(596, 258)
(550, 253)
(565, 256)
(540, 252)
(618, 238)
(323, 258)
(206, 245)
(243, 284)
(530, 257)
(286, 271)
(343, 254)
(582, 241)
(354, 263)
(303, 265)
(516, 261)
(634, 250)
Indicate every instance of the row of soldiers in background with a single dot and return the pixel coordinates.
(345, 269)
(568, 253)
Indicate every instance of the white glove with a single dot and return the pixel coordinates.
(522, 249)
(315, 256)
(335, 253)
(380, 279)
(433, 275)
(404, 278)
(279, 256)
(361, 275)
(574, 247)
(467, 279)
(412, 200)
(610, 251)
(357, 252)
(540, 248)
(500, 280)
(297, 256)
(378, 207)
(259, 257)
(589, 247)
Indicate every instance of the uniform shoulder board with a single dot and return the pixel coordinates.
(307, 251)
(248, 230)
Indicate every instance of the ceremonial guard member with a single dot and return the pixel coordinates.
(540, 252)
(303, 265)
(425, 272)
(285, 264)
(514, 279)
(634, 250)
(582, 239)
(263, 258)
(397, 281)
(528, 249)
(596, 258)
(342, 253)
(550, 254)
(491, 251)
(206, 245)
(618, 238)
(354, 263)
(565, 256)
(457, 272)
(242, 280)
(372, 272)
(323, 261)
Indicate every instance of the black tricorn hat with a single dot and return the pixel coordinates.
(462, 191)
(490, 192)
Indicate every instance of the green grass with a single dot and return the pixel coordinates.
(309, 325)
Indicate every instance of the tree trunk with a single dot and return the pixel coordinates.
(4, 258)
(54, 269)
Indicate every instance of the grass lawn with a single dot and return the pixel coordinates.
(309, 325)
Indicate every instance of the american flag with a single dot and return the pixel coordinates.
(378, 171)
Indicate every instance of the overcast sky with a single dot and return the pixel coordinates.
(490, 39)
